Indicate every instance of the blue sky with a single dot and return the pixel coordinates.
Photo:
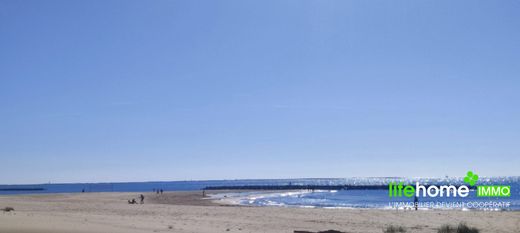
(171, 90)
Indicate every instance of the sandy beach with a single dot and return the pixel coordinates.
(188, 212)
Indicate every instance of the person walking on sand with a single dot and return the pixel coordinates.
(142, 198)
(416, 202)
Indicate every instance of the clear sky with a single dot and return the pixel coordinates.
(171, 90)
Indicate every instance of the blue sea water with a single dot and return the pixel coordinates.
(380, 198)
(305, 198)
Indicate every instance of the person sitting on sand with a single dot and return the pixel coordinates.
(132, 201)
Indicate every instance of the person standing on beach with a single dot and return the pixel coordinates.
(142, 198)
(416, 202)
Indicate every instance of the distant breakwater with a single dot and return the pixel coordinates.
(21, 189)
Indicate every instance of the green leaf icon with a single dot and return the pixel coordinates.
(471, 178)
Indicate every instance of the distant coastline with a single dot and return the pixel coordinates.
(190, 212)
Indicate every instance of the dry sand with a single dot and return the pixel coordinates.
(188, 212)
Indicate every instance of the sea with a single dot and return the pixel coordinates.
(345, 198)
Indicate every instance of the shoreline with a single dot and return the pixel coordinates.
(195, 198)
(188, 212)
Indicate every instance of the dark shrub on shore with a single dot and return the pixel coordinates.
(461, 228)
(394, 229)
